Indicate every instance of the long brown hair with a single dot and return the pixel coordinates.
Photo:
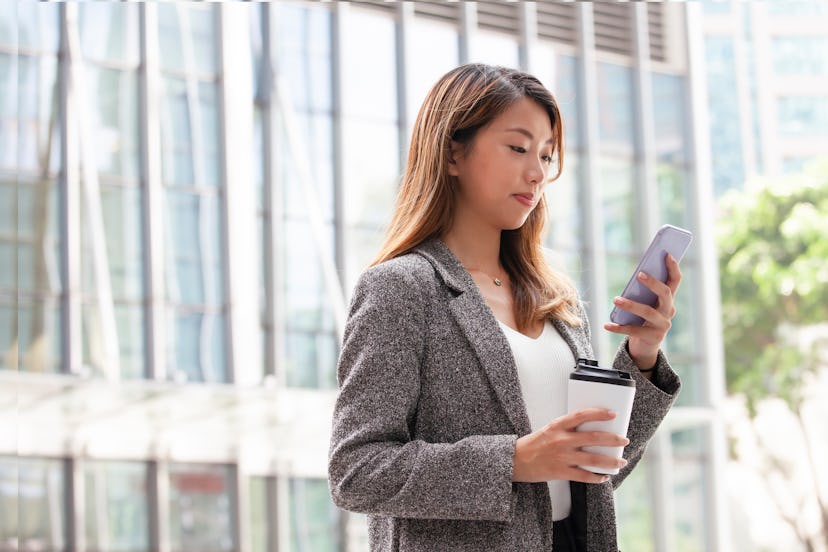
(462, 102)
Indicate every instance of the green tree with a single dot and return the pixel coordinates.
(773, 261)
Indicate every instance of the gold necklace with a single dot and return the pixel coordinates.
(497, 281)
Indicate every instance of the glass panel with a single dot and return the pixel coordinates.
(129, 322)
(311, 359)
(195, 346)
(803, 115)
(314, 520)
(260, 515)
(673, 186)
(368, 71)
(39, 331)
(799, 55)
(193, 249)
(304, 56)
(619, 270)
(39, 240)
(37, 134)
(116, 506)
(495, 49)
(691, 371)
(634, 504)
(8, 110)
(616, 178)
(8, 335)
(724, 114)
(436, 53)
(38, 26)
(187, 37)
(113, 106)
(669, 118)
(33, 490)
(682, 336)
(795, 8)
(201, 507)
(689, 489)
(563, 200)
(615, 106)
(315, 134)
(109, 31)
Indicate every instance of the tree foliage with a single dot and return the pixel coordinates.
(773, 262)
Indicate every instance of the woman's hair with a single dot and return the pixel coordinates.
(462, 102)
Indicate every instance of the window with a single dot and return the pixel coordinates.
(194, 194)
(803, 115)
(116, 503)
(201, 506)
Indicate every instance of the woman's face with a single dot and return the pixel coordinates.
(503, 174)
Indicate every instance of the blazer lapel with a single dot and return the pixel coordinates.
(482, 332)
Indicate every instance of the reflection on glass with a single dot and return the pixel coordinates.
(32, 499)
(201, 505)
(116, 504)
(195, 346)
(799, 55)
(38, 329)
(436, 53)
(38, 137)
(615, 106)
(193, 249)
(37, 26)
(113, 109)
(669, 118)
(634, 506)
(314, 520)
(186, 34)
(724, 113)
(689, 490)
(616, 183)
(803, 115)
(109, 31)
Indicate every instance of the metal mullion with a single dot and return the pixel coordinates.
(158, 501)
(338, 16)
(405, 17)
(74, 505)
(468, 31)
(528, 21)
(272, 510)
(274, 271)
(152, 198)
(239, 508)
(591, 201)
(710, 334)
(69, 210)
(646, 192)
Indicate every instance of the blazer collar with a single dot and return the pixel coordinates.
(482, 331)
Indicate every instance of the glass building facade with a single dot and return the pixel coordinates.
(766, 86)
(188, 193)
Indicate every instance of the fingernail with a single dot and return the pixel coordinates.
(622, 463)
(605, 479)
(618, 300)
(642, 276)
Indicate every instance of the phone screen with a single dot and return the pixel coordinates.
(669, 239)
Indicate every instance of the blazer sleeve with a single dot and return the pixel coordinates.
(375, 465)
(653, 399)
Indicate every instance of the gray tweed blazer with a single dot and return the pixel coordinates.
(430, 407)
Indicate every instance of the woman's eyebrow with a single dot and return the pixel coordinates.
(526, 133)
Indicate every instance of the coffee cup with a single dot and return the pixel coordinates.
(591, 386)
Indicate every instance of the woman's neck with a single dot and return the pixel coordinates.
(477, 248)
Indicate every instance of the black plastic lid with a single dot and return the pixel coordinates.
(602, 375)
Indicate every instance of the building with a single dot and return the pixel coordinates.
(188, 192)
(767, 87)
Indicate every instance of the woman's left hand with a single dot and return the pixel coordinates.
(645, 340)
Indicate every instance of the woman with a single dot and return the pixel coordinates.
(450, 429)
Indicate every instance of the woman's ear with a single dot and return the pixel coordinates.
(456, 151)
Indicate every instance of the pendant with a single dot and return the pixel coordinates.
(497, 282)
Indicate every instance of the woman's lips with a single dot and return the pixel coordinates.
(526, 199)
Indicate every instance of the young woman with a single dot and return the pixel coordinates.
(450, 429)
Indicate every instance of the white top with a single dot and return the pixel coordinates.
(543, 366)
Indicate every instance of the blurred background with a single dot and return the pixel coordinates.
(188, 192)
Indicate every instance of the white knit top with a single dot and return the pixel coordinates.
(543, 366)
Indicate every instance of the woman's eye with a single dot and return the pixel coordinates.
(519, 149)
(547, 159)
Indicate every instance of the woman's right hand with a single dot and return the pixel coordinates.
(554, 451)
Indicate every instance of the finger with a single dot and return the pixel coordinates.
(646, 312)
(650, 333)
(599, 460)
(673, 273)
(662, 291)
(584, 476)
(599, 438)
(574, 419)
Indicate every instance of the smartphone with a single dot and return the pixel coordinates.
(669, 239)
